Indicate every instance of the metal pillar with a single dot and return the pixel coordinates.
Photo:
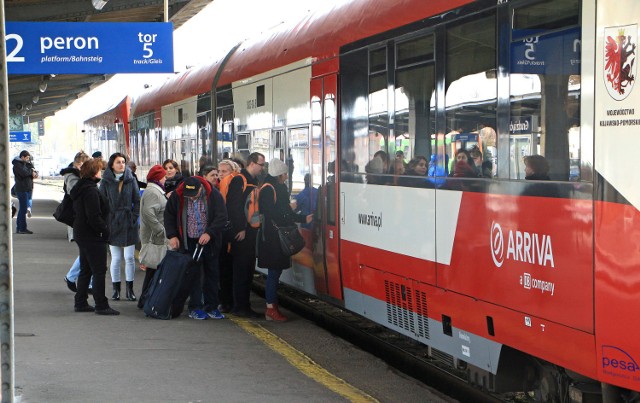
(7, 370)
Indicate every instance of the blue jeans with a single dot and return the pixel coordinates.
(74, 272)
(21, 221)
(271, 290)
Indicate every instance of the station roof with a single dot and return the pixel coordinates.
(62, 90)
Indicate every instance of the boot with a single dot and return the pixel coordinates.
(272, 313)
(107, 311)
(116, 291)
(130, 295)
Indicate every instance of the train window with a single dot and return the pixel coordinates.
(224, 98)
(316, 109)
(260, 141)
(377, 61)
(298, 158)
(378, 118)
(330, 155)
(545, 91)
(415, 112)
(203, 104)
(354, 133)
(415, 51)
(547, 15)
(471, 94)
(225, 140)
(316, 154)
(242, 142)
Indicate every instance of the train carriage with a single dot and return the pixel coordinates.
(529, 285)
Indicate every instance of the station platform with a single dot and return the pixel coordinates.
(64, 356)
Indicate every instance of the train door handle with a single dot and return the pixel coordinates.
(342, 198)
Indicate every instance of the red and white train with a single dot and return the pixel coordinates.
(529, 285)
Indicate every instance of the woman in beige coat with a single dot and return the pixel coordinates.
(152, 235)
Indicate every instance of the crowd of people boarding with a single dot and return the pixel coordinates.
(117, 214)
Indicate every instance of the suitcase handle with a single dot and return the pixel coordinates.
(197, 253)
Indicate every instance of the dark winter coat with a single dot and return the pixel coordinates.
(270, 255)
(23, 173)
(124, 207)
(175, 213)
(92, 211)
(172, 184)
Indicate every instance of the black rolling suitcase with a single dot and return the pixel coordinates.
(171, 284)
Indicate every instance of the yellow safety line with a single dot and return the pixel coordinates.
(303, 363)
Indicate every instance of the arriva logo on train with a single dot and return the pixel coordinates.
(370, 220)
(521, 246)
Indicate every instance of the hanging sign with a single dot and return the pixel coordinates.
(20, 137)
(89, 47)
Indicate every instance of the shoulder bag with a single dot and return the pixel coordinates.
(291, 241)
(64, 212)
(151, 254)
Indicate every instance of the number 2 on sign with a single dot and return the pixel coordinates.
(13, 56)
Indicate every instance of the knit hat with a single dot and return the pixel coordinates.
(97, 154)
(277, 167)
(156, 173)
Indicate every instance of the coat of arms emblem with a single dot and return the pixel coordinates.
(619, 60)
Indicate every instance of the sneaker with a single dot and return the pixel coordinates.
(198, 314)
(71, 285)
(29, 212)
(215, 314)
(26, 231)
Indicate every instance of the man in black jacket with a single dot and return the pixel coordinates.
(196, 214)
(243, 245)
(24, 173)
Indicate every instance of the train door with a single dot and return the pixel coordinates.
(323, 155)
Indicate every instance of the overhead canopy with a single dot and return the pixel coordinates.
(25, 91)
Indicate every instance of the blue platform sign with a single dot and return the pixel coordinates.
(89, 47)
(556, 53)
(20, 137)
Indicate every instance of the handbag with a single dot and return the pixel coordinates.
(291, 241)
(64, 212)
(151, 254)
